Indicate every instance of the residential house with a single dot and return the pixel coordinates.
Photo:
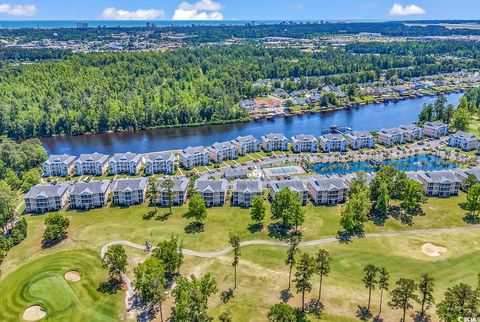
(463, 140)
(274, 142)
(439, 183)
(92, 194)
(360, 139)
(95, 164)
(127, 192)
(297, 186)
(411, 132)
(125, 163)
(246, 144)
(333, 142)
(160, 162)
(213, 192)
(247, 104)
(390, 137)
(194, 156)
(47, 197)
(179, 191)
(236, 173)
(222, 151)
(304, 143)
(327, 190)
(435, 129)
(58, 165)
(244, 191)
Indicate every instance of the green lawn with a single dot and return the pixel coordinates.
(262, 274)
(42, 282)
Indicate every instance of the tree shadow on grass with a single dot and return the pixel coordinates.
(363, 313)
(163, 217)
(278, 231)
(472, 219)
(255, 228)
(227, 295)
(194, 227)
(149, 215)
(109, 287)
(285, 295)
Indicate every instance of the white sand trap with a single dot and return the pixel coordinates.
(72, 276)
(432, 250)
(34, 313)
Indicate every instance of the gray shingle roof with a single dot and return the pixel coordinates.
(94, 157)
(254, 186)
(159, 156)
(333, 137)
(92, 187)
(244, 139)
(464, 135)
(60, 158)
(434, 124)
(274, 137)
(211, 185)
(129, 184)
(328, 184)
(221, 145)
(360, 134)
(128, 157)
(179, 184)
(192, 151)
(304, 137)
(439, 176)
(48, 190)
(294, 185)
(409, 127)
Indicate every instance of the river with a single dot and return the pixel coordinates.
(369, 117)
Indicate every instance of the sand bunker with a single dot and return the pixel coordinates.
(72, 276)
(433, 250)
(34, 313)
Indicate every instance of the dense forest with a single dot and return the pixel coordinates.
(121, 91)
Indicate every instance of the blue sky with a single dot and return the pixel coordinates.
(238, 9)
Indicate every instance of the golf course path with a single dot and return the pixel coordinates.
(302, 244)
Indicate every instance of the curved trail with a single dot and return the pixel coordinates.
(302, 244)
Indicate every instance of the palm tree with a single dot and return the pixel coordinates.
(168, 183)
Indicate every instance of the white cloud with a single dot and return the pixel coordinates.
(201, 10)
(399, 10)
(18, 9)
(140, 14)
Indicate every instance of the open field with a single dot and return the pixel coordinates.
(262, 273)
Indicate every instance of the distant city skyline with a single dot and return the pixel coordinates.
(239, 10)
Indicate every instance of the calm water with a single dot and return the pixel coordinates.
(368, 117)
(414, 163)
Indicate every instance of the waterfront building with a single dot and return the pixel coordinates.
(246, 144)
(333, 142)
(61, 165)
(390, 137)
(221, 151)
(304, 143)
(411, 132)
(47, 197)
(274, 142)
(443, 183)
(125, 163)
(194, 156)
(87, 195)
(91, 164)
(127, 192)
(244, 191)
(159, 162)
(435, 129)
(360, 139)
(327, 190)
(463, 140)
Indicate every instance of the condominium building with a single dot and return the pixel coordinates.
(296, 186)
(125, 163)
(304, 143)
(221, 151)
(213, 192)
(91, 164)
(463, 140)
(360, 139)
(58, 165)
(87, 195)
(178, 191)
(333, 142)
(159, 162)
(47, 197)
(274, 142)
(411, 132)
(390, 137)
(127, 192)
(439, 183)
(246, 144)
(435, 129)
(244, 191)
(194, 156)
(327, 191)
